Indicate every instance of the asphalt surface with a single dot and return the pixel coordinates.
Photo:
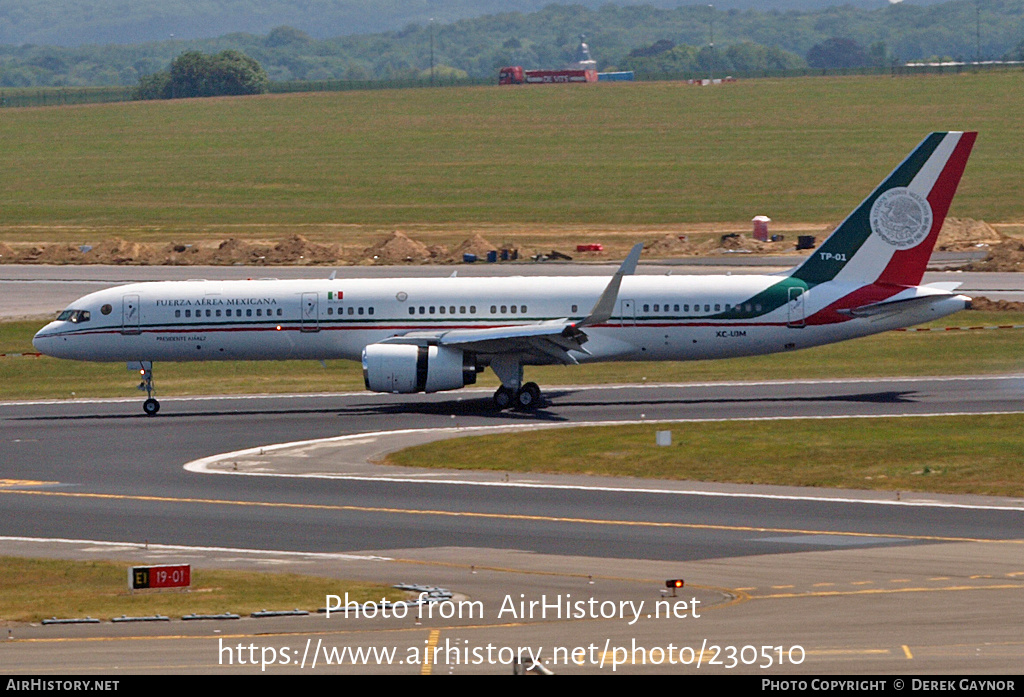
(831, 581)
(858, 584)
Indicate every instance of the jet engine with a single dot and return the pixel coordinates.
(409, 368)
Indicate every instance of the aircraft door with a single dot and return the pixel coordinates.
(131, 315)
(796, 308)
(627, 310)
(310, 320)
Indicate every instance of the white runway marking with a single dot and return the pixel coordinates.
(206, 465)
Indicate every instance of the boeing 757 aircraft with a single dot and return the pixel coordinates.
(434, 334)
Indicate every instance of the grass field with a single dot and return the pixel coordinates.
(954, 455)
(801, 149)
(36, 589)
(889, 354)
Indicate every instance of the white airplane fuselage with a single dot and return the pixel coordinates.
(656, 317)
(434, 334)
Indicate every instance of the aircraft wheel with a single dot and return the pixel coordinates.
(503, 397)
(528, 396)
(151, 407)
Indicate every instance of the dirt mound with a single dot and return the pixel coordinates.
(437, 251)
(118, 251)
(741, 243)
(58, 254)
(298, 250)
(474, 245)
(669, 245)
(1008, 255)
(989, 305)
(396, 248)
(6, 253)
(959, 234)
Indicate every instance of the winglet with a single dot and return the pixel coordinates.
(602, 311)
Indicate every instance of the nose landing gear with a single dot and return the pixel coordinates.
(151, 406)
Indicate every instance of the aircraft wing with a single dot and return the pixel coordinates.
(552, 339)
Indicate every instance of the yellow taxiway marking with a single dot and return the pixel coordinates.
(428, 664)
(885, 591)
(4, 483)
(906, 652)
(501, 516)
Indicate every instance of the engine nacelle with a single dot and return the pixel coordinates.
(407, 368)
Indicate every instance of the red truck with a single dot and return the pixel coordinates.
(515, 75)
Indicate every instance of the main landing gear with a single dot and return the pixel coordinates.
(526, 398)
(151, 406)
(513, 393)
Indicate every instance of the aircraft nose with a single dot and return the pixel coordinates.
(43, 340)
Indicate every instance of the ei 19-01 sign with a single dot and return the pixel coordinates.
(160, 576)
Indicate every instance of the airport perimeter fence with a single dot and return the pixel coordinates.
(347, 85)
(56, 96)
(909, 69)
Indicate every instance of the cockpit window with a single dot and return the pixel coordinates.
(76, 316)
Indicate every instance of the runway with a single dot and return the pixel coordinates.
(820, 569)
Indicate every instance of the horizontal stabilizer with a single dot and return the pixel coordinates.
(895, 306)
(948, 286)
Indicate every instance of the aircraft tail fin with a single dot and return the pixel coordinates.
(889, 237)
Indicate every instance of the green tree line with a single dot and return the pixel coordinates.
(959, 29)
